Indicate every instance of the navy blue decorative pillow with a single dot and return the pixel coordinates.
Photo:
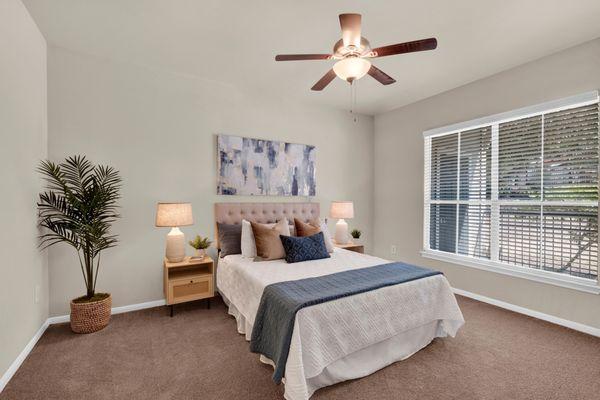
(304, 248)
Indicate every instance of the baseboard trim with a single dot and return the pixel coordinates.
(115, 310)
(12, 369)
(590, 330)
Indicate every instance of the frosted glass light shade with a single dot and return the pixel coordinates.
(341, 209)
(351, 68)
(174, 214)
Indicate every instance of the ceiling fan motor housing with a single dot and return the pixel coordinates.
(340, 51)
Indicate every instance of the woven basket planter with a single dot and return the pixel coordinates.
(90, 317)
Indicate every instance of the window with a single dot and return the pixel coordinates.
(518, 192)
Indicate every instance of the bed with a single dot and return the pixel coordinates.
(343, 339)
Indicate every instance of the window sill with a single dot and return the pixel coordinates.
(552, 278)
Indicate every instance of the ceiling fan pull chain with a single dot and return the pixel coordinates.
(353, 100)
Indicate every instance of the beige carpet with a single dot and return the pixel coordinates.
(199, 355)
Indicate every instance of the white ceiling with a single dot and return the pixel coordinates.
(236, 41)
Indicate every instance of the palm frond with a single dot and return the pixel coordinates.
(77, 173)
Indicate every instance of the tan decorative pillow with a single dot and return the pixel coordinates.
(307, 229)
(268, 244)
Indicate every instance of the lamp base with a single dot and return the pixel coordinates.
(341, 232)
(175, 251)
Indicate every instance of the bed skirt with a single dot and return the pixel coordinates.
(356, 365)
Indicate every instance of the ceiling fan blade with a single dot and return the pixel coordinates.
(408, 47)
(297, 57)
(350, 24)
(324, 81)
(381, 76)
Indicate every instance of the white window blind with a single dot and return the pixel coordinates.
(518, 190)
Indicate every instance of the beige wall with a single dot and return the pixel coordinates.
(24, 138)
(399, 172)
(159, 130)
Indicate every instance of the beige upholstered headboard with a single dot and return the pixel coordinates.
(265, 213)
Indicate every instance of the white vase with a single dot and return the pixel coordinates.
(199, 253)
(357, 241)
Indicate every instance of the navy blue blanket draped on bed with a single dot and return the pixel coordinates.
(274, 323)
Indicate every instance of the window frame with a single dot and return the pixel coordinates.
(538, 275)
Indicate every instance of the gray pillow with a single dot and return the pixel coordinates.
(230, 239)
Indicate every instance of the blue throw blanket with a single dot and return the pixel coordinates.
(274, 323)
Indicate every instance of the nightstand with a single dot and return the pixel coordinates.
(188, 280)
(359, 248)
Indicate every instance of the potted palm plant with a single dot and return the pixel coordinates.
(78, 208)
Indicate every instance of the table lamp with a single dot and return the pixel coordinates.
(174, 215)
(341, 210)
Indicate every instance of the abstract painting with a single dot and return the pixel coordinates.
(249, 166)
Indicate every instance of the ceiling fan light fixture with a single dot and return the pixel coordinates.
(351, 68)
(351, 51)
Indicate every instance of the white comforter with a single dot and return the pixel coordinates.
(330, 331)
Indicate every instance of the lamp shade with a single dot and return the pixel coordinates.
(174, 214)
(341, 209)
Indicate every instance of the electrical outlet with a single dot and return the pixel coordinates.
(393, 249)
(36, 294)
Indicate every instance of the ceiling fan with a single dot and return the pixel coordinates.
(353, 52)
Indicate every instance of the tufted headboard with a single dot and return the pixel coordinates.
(265, 213)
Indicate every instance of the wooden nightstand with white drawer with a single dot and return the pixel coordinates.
(188, 280)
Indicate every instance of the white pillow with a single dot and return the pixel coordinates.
(326, 235)
(286, 230)
(248, 244)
